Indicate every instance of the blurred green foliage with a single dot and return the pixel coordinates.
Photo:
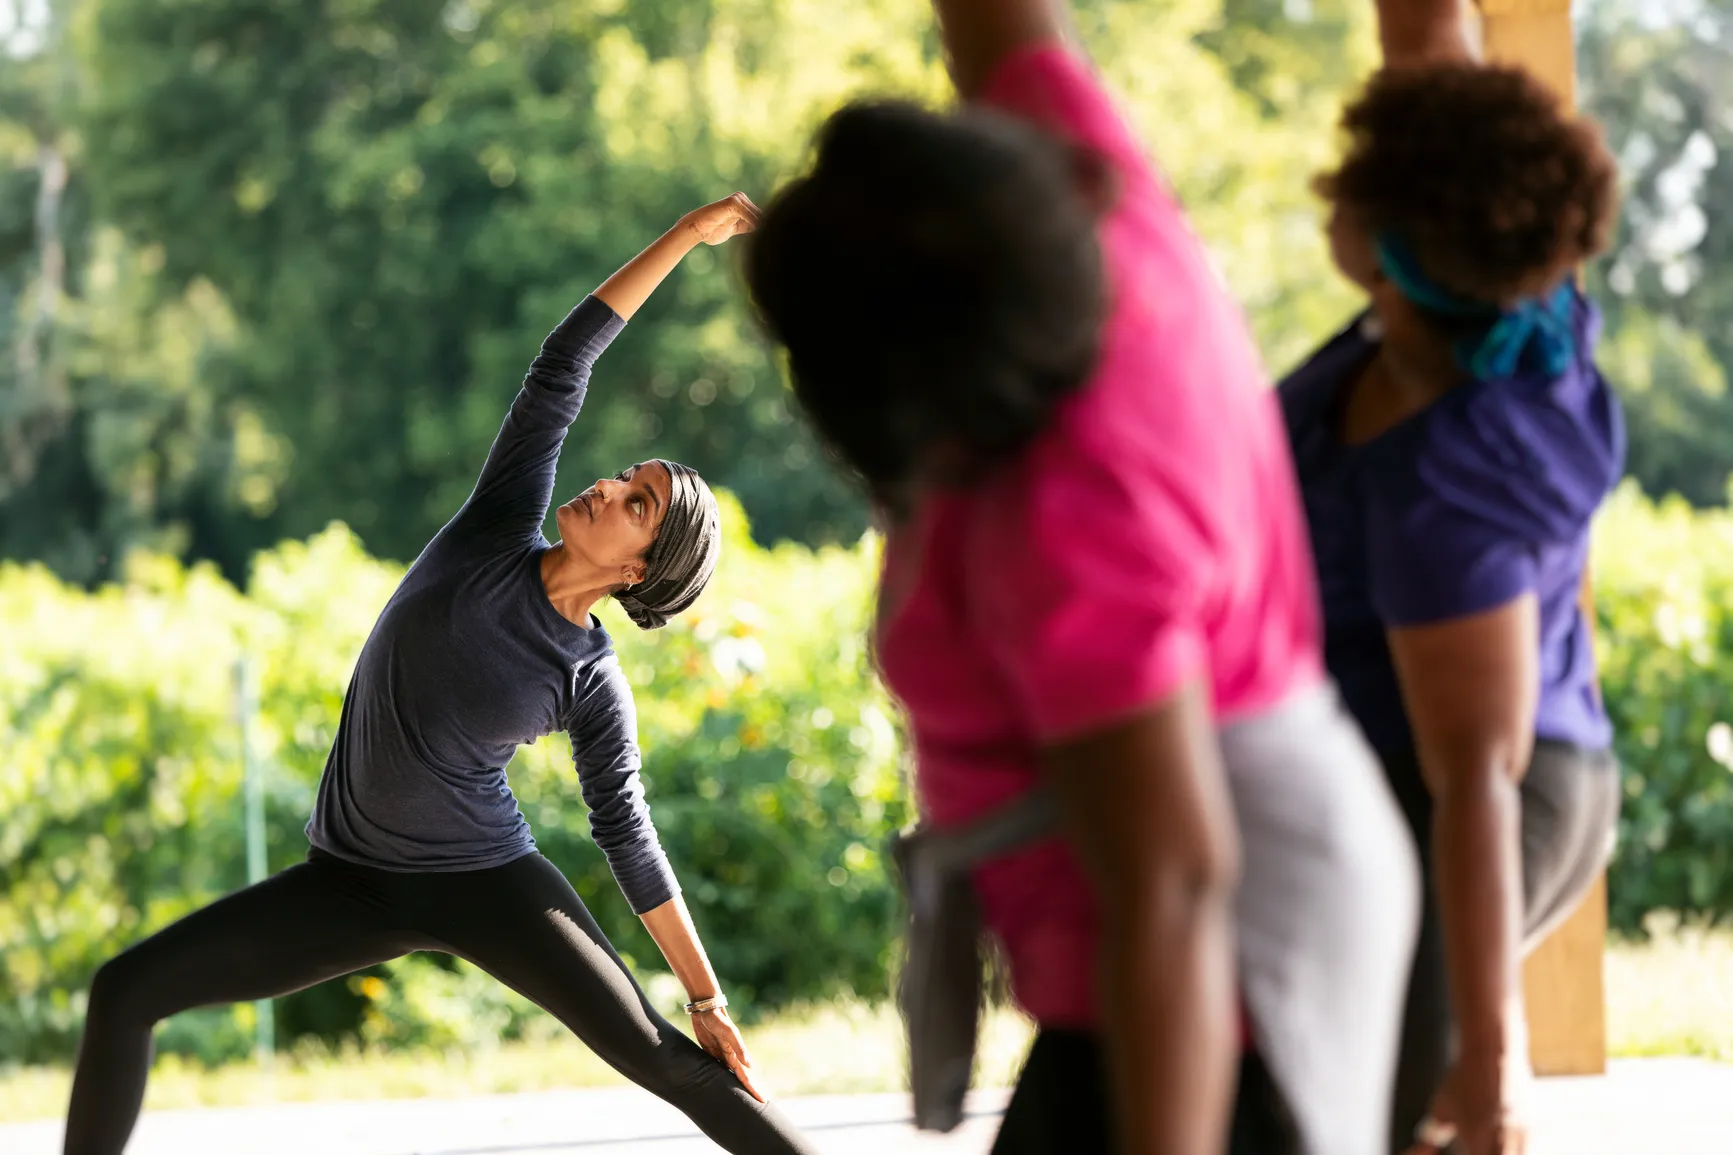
(266, 264)
(1654, 72)
(1663, 578)
(771, 760)
(309, 247)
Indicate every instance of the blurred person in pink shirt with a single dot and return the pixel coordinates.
(1097, 589)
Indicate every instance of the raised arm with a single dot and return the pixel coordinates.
(978, 34)
(511, 496)
(628, 289)
(1423, 31)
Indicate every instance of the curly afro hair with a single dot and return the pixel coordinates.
(938, 285)
(1497, 188)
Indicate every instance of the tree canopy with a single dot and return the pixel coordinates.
(269, 263)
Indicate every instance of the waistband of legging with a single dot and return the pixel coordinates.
(1555, 747)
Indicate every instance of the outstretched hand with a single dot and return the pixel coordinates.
(720, 220)
(1479, 1110)
(715, 1031)
(629, 288)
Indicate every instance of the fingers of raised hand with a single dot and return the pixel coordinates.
(748, 212)
(728, 217)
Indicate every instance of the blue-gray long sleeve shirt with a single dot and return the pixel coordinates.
(469, 660)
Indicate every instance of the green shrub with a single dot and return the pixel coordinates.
(771, 765)
(118, 777)
(1663, 580)
(771, 761)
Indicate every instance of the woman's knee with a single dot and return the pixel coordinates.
(122, 990)
(681, 1067)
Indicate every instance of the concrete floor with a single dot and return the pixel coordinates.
(1642, 1107)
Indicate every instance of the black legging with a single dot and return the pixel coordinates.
(1570, 809)
(1060, 1106)
(522, 923)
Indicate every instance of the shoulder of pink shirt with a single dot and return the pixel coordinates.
(1052, 86)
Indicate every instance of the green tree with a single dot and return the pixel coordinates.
(1655, 75)
(399, 198)
(344, 226)
(395, 199)
(109, 435)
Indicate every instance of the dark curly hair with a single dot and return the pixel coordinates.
(937, 282)
(1498, 190)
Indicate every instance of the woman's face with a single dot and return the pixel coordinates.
(1352, 249)
(1356, 255)
(612, 523)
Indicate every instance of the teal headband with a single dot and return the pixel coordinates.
(1539, 328)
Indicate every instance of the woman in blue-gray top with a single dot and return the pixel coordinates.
(1452, 446)
(417, 843)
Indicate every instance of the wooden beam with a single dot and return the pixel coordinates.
(1564, 990)
(1564, 984)
(1535, 34)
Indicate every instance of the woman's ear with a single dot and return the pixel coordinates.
(632, 573)
(1096, 179)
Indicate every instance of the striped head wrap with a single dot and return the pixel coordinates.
(682, 557)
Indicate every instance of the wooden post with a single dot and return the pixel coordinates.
(1564, 980)
(1562, 985)
(1535, 34)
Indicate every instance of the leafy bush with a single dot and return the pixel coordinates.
(770, 760)
(118, 777)
(1663, 578)
(772, 764)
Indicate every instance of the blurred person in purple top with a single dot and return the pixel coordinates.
(1452, 445)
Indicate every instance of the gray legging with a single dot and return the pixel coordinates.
(1327, 909)
(521, 922)
(1570, 814)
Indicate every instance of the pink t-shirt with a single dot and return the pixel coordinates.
(1152, 534)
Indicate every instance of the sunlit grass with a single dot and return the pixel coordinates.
(838, 1048)
(1670, 996)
